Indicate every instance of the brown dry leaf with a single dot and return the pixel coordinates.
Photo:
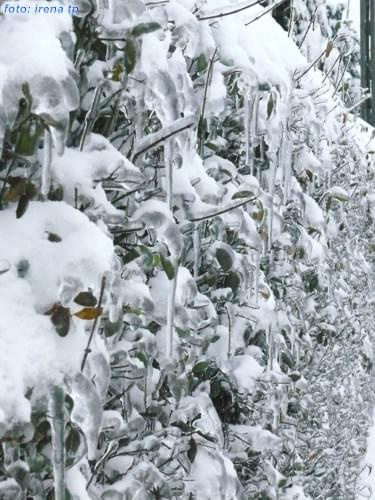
(17, 188)
(89, 313)
(117, 70)
(265, 293)
(329, 48)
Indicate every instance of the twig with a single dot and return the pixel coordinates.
(265, 12)
(291, 19)
(201, 118)
(229, 13)
(223, 211)
(93, 328)
(361, 101)
(56, 409)
(309, 26)
(89, 118)
(160, 137)
(341, 78)
(313, 63)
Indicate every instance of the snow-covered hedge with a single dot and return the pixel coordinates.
(186, 253)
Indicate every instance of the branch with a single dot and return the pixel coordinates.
(201, 118)
(223, 211)
(229, 13)
(87, 350)
(265, 12)
(152, 140)
(312, 18)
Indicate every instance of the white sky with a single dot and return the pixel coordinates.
(352, 10)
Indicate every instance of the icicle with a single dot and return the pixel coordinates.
(251, 116)
(271, 211)
(168, 160)
(256, 281)
(56, 410)
(251, 277)
(247, 130)
(148, 385)
(47, 160)
(170, 315)
(270, 342)
(90, 115)
(230, 323)
(291, 19)
(285, 162)
(253, 129)
(87, 411)
(196, 248)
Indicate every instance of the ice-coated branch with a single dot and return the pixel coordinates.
(223, 211)
(270, 8)
(152, 140)
(201, 118)
(56, 410)
(229, 12)
(309, 26)
(90, 116)
(47, 160)
(95, 322)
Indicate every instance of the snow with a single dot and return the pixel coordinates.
(34, 355)
(252, 323)
(206, 472)
(45, 67)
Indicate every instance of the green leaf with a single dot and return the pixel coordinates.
(287, 359)
(294, 376)
(53, 237)
(144, 28)
(242, 194)
(283, 482)
(132, 310)
(153, 327)
(313, 283)
(60, 319)
(73, 441)
(23, 203)
(168, 267)
(156, 260)
(258, 215)
(225, 258)
(339, 194)
(28, 139)
(233, 280)
(111, 494)
(192, 451)
(270, 105)
(130, 55)
(4, 266)
(201, 63)
(85, 299)
(112, 327)
(182, 333)
(200, 369)
(142, 357)
(56, 194)
(131, 255)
